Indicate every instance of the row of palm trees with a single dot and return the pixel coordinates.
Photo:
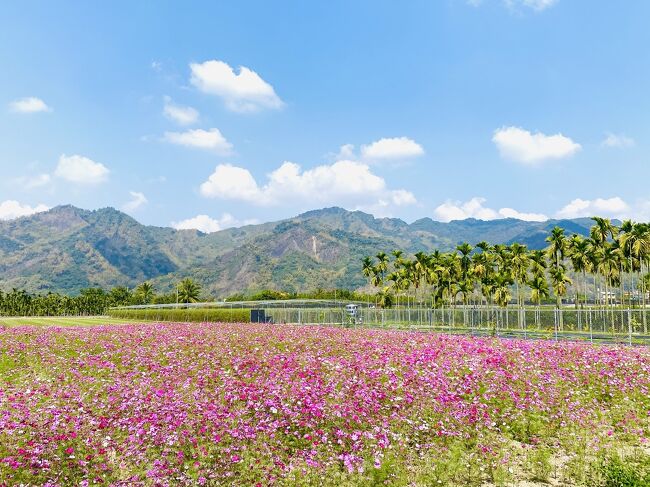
(611, 265)
(92, 301)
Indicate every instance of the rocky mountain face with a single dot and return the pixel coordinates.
(67, 248)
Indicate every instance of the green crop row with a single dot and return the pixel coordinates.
(184, 315)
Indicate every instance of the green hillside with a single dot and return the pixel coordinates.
(67, 248)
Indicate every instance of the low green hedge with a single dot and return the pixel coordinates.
(184, 314)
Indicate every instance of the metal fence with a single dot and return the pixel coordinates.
(607, 325)
(596, 325)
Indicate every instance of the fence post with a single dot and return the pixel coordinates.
(555, 322)
(629, 326)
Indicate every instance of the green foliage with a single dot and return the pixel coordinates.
(618, 472)
(539, 463)
(188, 291)
(92, 301)
(183, 314)
(272, 295)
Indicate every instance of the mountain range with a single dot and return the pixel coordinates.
(66, 249)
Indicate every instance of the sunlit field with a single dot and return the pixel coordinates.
(62, 321)
(244, 404)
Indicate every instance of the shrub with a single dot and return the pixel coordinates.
(184, 314)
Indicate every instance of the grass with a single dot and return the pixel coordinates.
(64, 321)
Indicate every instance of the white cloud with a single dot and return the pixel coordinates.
(11, 209)
(211, 139)
(182, 115)
(231, 182)
(536, 5)
(474, 208)
(81, 170)
(29, 105)
(345, 152)
(391, 148)
(455, 210)
(612, 207)
(137, 200)
(522, 146)
(32, 182)
(245, 91)
(617, 140)
(529, 217)
(207, 224)
(345, 182)
(539, 5)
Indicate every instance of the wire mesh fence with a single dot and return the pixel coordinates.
(607, 325)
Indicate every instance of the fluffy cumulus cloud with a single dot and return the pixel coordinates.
(242, 91)
(211, 140)
(207, 224)
(530, 217)
(81, 170)
(180, 114)
(137, 201)
(522, 146)
(390, 148)
(11, 209)
(617, 140)
(29, 105)
(609, 207)
(345, 182)
(474, 208)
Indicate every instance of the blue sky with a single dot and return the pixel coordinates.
(245, 111)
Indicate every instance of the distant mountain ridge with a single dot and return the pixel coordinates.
(68, 248)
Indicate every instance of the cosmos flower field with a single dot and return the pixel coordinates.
(243, 404)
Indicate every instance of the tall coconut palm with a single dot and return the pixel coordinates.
(609, 266)
(579, 253)
(538, 263)
(519, 262)
(367, 268)
(145, 292)
(502, 283)
(557, 245)
(560, 281)
(538, 291)
(603, 229)
(465, 250)
(382, 263)
(188, 291)
(635, 241)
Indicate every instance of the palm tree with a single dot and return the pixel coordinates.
(603, 229)
(538, 291)
(382, 263)
(367, 267)
(579, 252)
(519, 262)
(555, 250)
(538, 263)
(635, 242)
(188, 291)
(557, 245)
(560, 281)
(145, 292)
(502, 294)
(609, 266)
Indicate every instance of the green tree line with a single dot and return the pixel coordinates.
(93, 301)
(610, 266)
